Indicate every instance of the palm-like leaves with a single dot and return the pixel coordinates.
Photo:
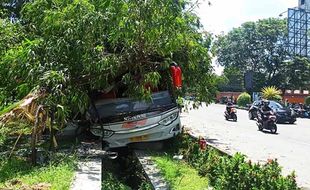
(271, 93)
(25, 118)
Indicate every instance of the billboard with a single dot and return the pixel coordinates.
(298, 32)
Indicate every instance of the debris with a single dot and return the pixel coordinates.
(178, 157)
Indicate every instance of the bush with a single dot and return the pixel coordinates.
(277, 98)
(243, 99)
(234, 173)
(307, 100)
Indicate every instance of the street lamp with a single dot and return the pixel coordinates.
(281, 14)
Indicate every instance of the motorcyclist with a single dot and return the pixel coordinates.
(301, 106)
(265, 110)
(229, 105)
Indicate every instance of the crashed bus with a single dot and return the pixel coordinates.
(120, 121)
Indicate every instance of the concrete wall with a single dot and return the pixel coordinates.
(233, 95)
(291, 97)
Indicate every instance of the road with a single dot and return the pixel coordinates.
(290, 146)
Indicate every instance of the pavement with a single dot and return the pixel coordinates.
(88, 173)
(290, 146)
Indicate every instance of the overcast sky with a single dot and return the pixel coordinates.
(223, 15)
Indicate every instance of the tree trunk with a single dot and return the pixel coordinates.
(34, 137)
(53, 142)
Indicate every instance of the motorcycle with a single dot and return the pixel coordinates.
(302, 113)
(267, 121)
(231, 114)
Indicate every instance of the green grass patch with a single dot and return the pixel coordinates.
(179, 174)
(110, 182)
(17, 172)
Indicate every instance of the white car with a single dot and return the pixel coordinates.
(125, 120)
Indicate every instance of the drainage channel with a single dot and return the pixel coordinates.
(151, 170)
(126, 169)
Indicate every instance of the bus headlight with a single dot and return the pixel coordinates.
(98, 132)
(168, 120)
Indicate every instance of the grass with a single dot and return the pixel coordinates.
(179, 174)
(56, 175)
(110, 182)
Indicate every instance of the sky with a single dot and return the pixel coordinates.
(223, 15)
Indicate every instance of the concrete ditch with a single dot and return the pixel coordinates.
(153, 173)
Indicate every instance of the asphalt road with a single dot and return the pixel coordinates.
(290, 146)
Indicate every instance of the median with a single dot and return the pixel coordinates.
(219, 170)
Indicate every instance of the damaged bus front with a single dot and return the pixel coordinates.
(121, 121)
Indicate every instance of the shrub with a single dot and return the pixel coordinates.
(243, 99)
(277, 98)
(307, 100)
(271, 93)
(235, 173)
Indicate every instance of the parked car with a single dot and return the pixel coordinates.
(121, 121)
(284, 114)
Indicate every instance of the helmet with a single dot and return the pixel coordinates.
(265, 102)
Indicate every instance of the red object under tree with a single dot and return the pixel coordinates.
(176, 74)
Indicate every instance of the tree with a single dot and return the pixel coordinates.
(255, 46)
(11, 35)
(297, 73)
(221, 82)
(234, 80)
(75, 47)
(11, 8)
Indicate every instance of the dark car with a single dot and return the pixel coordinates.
(283, 113)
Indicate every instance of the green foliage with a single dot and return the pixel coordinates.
(271, 93)
(145, 186)
(278, 98)
(72, 48)
(4, 133)
(233, 78)
(255, 46)
(234, 173)
(179, 174)
(58, 173)
(8, 108)
(243, 99)
(297, 73)
(110, 183)
(12, 129)
(11, 34)
(307, 100)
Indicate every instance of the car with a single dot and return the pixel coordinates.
(284, 114)
(121, 121)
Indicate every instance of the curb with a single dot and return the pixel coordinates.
(223, 152)
(152, 172)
